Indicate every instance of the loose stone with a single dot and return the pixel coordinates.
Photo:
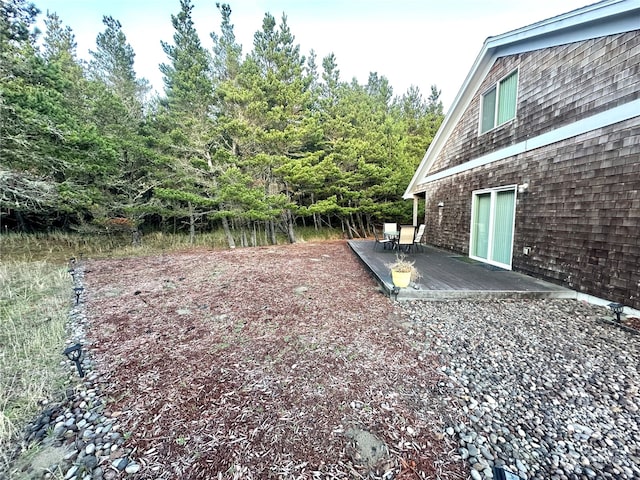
(549, 391)
(120, 463)
(71, 472)
(77, 422)
(132, 468)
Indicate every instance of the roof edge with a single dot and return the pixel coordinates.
(515, 41)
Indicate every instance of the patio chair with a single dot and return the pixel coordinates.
(418, 241)
(390, 230)
(382, 241)
(406, 237)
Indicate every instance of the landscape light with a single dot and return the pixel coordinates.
(395, 291)
(500, 473)
(617, 308)
(74, 353)
(78, 291)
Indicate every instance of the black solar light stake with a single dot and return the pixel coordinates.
(74, 353)
(617, 308)
(395, 291)
(78, 291)
(72, 272)
(500, 473)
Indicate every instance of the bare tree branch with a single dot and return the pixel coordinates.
(22, 191)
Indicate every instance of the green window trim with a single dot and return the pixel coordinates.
(498, 104)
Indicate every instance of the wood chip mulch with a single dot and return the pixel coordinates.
(633, 322)
(272, 362)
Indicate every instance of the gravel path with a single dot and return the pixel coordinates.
(79, 439)
(544, 388)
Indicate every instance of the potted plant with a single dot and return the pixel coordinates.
(403, 271)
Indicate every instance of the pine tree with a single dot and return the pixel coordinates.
(117, 103)
(276, 123)
(27, 189)
(230, 182)
(112, 63)
(88, 159)
(185, 122)
(187, 77)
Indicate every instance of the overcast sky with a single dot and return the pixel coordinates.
(411, 42)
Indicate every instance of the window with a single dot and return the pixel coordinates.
(499, 103)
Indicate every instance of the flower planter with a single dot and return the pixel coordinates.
(400, 279)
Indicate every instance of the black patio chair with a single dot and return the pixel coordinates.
(418, 241)
(381, 241)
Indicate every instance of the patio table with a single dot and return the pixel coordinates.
(393, 236)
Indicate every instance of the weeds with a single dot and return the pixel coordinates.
(34, 303)
(59, 246)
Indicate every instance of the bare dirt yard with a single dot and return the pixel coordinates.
(274, 362)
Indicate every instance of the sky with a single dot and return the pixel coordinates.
(410, 42)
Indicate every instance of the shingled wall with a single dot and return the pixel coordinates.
(580, 215)
(556, 86)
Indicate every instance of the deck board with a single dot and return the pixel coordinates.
(446, 275)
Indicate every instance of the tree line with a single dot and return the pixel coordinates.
(256, 144)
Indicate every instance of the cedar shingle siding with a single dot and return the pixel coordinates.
(581, 213)
(556, 86)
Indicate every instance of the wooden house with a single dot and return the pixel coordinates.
(536, 166)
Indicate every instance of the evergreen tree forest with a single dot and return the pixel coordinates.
(254, 143)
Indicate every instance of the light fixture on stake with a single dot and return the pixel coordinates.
(395, 291)
(499, 473)
(74, 353)
(616, 308)
(78, 291)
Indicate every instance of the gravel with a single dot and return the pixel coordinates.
(79, 425)
(546, 389)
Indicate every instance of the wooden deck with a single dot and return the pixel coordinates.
(448, 276)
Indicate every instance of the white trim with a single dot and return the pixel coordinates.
(493, 192)
(496, 107)
(585, 297)
(608, 17)
(604, 119)
(495, 189)
(494, 88)
(596, 20)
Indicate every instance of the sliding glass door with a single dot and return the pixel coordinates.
(481, 224)
(492, 222)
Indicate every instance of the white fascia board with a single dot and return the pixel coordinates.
(613, 26)
(599, 17)
(462, 100)
(603, 18)
(604, 119)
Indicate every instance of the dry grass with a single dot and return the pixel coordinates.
(58, 247)
(34, 303)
